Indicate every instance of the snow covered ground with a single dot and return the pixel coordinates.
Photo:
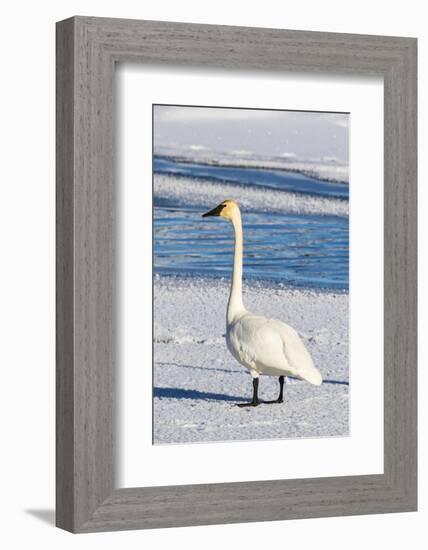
(197, 383)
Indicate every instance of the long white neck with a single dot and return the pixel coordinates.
(235, 305)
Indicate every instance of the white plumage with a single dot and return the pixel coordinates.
(267, 346)
(262, 345)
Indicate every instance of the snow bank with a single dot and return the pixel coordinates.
(197, 192)
(327, 168)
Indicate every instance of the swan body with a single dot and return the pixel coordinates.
(262, 345)
(267, 346)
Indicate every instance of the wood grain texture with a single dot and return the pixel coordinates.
(87, 50)
(64, 278)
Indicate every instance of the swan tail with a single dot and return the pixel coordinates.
(312, 376)
(300, 360)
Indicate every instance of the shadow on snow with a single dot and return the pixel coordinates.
(179, 393)
(339, 382)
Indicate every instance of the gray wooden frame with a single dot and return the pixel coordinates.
(87, 50)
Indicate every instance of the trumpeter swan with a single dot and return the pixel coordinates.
(264, 346)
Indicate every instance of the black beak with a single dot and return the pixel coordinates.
(214, 212)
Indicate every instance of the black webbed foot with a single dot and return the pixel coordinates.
(249, 404)
(256, 401)
(272, 401)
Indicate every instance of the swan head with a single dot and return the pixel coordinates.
(228, 210)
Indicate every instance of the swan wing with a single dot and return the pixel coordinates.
(276, 348)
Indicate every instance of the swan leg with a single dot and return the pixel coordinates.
(255, 400)
(281, 389)
(281, 392)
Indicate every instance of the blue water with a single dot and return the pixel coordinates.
(294, 249)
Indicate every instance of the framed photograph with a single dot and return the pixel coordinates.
(291, 184)
(236, 274)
